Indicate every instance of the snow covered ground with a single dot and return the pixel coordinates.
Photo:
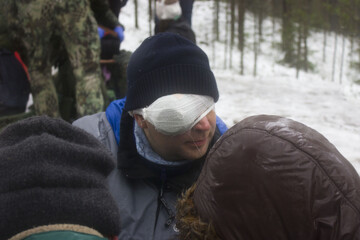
(314, 99)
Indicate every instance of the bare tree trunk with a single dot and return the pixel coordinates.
(213, 49)
(298, 55)
(342, 58)
(150, 17)
(273, 33)
(255, 45)
(287, 33)
(232, 31)
(241, 34)
(136, 14)
(260, 6)
(306, 67)
(216, 19)
(334, 58)
(215, 31)
(324, 46)
(351, 46)
(227, 23)
(305, 34)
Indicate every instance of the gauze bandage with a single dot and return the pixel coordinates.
(177, 113)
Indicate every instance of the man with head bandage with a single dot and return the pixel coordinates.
(160, 133)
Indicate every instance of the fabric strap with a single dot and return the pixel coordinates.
(64, 228)
(61, 235)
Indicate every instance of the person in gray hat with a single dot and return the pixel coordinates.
(53, 183)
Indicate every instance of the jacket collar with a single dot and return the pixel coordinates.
(136, 166)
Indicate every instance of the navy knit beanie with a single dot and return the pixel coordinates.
(54, 173)
(166, 64)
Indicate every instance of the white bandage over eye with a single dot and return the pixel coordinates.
(177, 113)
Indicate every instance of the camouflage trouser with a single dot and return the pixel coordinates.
(74, 23)
(117, 82)
(6, 13)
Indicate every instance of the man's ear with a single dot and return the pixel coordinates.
(140, 121)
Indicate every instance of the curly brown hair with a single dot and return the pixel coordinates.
(188, 221)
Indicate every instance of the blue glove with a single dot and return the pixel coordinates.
(101, 32)
(120, 32)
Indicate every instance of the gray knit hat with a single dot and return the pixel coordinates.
(54, 173)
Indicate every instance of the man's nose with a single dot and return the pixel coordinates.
(203, 124)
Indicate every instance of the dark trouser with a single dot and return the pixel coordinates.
(186, 11)
(186, 8)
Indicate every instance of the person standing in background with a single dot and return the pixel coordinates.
(35, 25)
(186, 9)
(174, 16)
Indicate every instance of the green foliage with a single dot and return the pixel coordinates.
(302, 65)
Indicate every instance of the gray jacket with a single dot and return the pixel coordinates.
(147, 205)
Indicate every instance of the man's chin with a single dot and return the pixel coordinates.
(196, 152)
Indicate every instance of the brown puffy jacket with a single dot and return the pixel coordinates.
(270, 177)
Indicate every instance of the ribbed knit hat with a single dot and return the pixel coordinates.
(54, 173)
(166, 64)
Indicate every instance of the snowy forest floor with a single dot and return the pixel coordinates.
(313, 98)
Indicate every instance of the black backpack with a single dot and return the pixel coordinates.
(110, 46)
(14, 85)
